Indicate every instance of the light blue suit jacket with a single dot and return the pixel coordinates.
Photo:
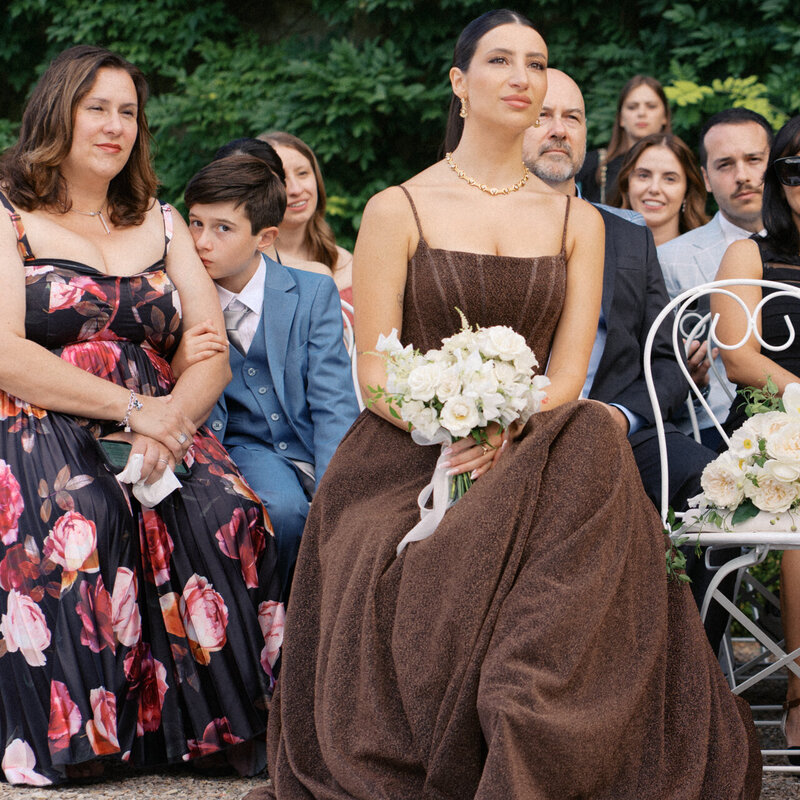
(308, 363)
(688, 261)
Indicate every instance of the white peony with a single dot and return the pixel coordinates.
(767, 424)
(784, 445)
(723, 481)
(423, 380)
(459, 416)
(791, 399)
(770, 495)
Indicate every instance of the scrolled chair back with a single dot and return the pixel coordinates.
(689, 323)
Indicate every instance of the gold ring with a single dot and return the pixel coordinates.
(485, 447)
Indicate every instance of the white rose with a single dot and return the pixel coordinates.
(784, 445)
(503, 342)
(770, 494)
(449, 384)
(459, 416)
(791, 399)
(423, 380)
(723, 481)
(781, 471)
(504, 372)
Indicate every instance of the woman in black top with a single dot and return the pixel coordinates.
(642, 109)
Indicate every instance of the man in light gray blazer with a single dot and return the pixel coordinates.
(734, 145)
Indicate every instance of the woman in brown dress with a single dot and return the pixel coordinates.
(532, 646)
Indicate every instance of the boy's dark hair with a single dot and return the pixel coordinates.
(253, 147)
(731, 116)
(246, 181)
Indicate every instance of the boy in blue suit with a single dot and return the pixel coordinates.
(291, 398)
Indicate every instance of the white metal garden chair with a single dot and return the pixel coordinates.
(755, 544)
(350, 344)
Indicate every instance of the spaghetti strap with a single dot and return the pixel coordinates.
(564, 234)
(24, 248)
(166, 212)
(414, 210)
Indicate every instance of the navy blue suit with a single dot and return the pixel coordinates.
(291, 399)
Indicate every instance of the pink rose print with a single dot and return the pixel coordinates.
(94, 609)
(24, 628)
(126, 619)
(243, 538)
(65, 717)
(156, 547)
(64, 295)
(102, 730)
(11, 505)
(170, 611)
(205, 618)
(71, 543)
(147, 678)
(271, 616)
(18, 764)
(216, 735)
(99, 358)
(20, 570)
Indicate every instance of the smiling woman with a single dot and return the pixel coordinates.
(306, 239)
(661, 180)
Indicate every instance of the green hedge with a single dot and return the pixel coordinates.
(365, 81)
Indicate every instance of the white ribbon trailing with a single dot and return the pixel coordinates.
(439, 487)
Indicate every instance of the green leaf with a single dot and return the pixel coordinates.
(746, 510)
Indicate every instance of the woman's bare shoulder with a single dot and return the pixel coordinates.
(742, 259)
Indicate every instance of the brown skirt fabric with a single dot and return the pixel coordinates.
(532, 647)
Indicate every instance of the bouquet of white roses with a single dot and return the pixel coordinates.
(478, 376)
(760, 471)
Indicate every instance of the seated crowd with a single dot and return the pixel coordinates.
(242, 389)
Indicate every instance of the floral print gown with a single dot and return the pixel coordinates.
(146, 635)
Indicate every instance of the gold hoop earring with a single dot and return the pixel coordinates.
(463, 113)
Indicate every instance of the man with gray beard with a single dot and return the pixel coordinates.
(633, 296)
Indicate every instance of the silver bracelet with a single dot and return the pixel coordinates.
(134, 404)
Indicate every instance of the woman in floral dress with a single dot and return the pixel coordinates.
(144, 634)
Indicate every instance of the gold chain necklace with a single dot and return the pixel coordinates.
(94, 214)
(492, 190)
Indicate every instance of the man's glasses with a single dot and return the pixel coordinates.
(788, 170)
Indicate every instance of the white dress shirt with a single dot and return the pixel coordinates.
(252, 298)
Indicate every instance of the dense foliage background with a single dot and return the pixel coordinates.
(364, 82)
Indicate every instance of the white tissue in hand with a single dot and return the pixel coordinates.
(152, 494)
